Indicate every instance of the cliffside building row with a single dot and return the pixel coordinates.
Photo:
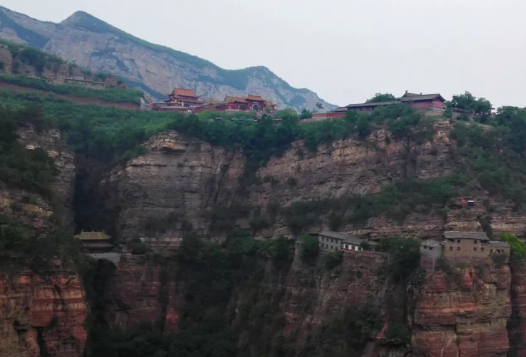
(456, 246)
(187, 101)
(336, 241)
(461, 246)
(434, 102)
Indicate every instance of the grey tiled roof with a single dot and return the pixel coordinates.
(418, 97)
(500, 244)
(353, 240)
(372, 104)
(331, 234)
(465, 235)
(408, 97)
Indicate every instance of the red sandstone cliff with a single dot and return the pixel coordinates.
(190, 179)
(42, 315)
(463, 316)
(517, 323)
(140, 291)
(287, 304)
(189, 182)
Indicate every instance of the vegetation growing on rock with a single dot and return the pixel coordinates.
(119, 95)
(31, 170)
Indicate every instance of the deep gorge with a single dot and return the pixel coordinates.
(219, 295)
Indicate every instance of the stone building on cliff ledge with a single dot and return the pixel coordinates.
(461, 246)
(472, 245)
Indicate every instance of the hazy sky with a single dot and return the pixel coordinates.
(345, 50)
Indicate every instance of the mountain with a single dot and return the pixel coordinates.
(95, 44)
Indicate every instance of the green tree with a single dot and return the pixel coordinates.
(469, 102)
(305, 114)
(381, 97)
(309, 247)
(319, 105)
(518, 248)
(332, 259)
(405, 255)
(286, 113)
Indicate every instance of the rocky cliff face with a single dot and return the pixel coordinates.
(463, 316)
(91, 43)
(185, 183)
(517, 322)
(139, 292)
(174, 188)
(310, 300)
(181, 183)
(286, 308)
(53, 70)
(42, 315)
(31, 209)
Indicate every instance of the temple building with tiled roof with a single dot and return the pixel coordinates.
(420, 101)
(181, 99)
(95, 242)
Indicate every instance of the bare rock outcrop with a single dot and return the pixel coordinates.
(142, 292)
(179, 180)
(42, 316)
(186, 181)
(466, 316)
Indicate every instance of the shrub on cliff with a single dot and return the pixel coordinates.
(309, 247)
(445, 266)
(31, 170)
(332, 259)
(517, 247)
(278, 249)
(405, 255)
(345, 331)
(493, 155)
(137, 246)
(398, 332)
(418, 277)
(13, 237)
(257, 223)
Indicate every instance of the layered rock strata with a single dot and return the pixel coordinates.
(42, 316)
(188, 181)
(463, 316)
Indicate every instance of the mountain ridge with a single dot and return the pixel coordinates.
(93, 43)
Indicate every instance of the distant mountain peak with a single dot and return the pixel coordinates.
(91, 42)
(88, 22)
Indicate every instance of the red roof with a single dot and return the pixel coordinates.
(256, 98)
(229, 98)
(185, 92)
